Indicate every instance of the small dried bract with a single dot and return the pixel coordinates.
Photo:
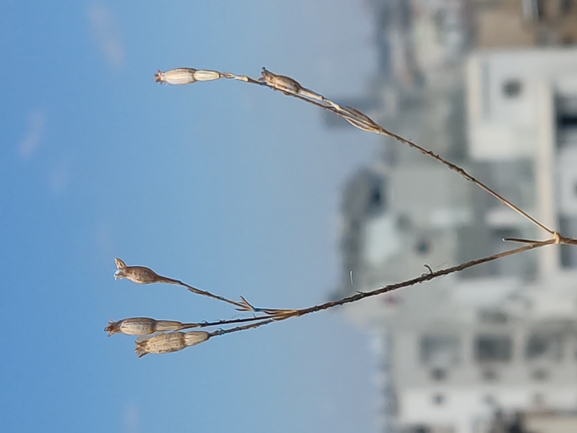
(173, 342)
(141, 326)
(137, 274)
(280, 82)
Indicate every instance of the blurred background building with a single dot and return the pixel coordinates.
(492, 86)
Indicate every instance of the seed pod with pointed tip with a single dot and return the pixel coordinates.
(280, 82)
(136, 274)
(173, 342)
(141, 326)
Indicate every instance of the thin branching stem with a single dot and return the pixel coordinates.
(421, 279)
(358, 119)
(467, 176)
(244, 305)
(220, 332)
(365, 123)
(209, 294)
(223, 322)
(391, 287)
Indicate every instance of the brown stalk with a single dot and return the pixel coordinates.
(223, 322)
(391, 287)
(220, 332)
(362, 121)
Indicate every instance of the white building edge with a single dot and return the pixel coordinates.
(501, 338)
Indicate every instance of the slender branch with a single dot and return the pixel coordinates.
(209, 295)
(243, 305)
(565, 240)
(467, 176)
(425, 277)
(291, 87)
(220, 332)
(365, 123)
(391, 287)
(222, 322)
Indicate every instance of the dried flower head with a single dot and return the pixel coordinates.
(141, 326)
(136, 274)
(176, 77)
(172, 342)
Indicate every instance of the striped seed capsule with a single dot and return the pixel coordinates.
(180, 76)
(173, 342)
(141, 326)
(176, 77)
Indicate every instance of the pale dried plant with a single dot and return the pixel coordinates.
(176, 340)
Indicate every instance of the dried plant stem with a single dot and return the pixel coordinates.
(210, 295)
(240, 328)
(243, 305)
(223, 322)
(291, 87)
(425, 277)
(362, 295)
(377, 129)
(466, 175)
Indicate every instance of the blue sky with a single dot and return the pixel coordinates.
(227, 186)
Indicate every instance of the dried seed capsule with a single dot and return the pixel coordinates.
(132, 326)
(136, 274)
(176, 76)
(173, 342)
(141, 326)
(163, 343)
(280, 82)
